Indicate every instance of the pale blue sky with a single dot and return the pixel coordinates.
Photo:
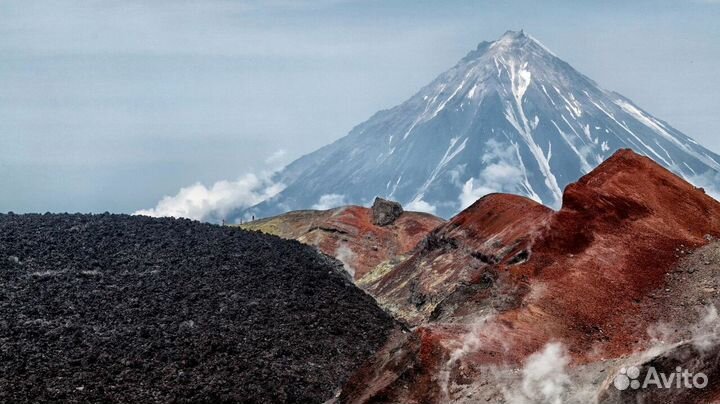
(109, 105)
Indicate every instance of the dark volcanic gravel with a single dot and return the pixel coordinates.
(113, 308)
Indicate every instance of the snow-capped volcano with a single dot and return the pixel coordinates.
(509, 117)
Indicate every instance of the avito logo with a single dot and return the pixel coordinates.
(629, 378)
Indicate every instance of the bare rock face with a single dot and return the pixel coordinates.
(385, 212)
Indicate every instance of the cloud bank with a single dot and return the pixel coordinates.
(501, 174)
(329, 201)
(419, 205)
(710, 181)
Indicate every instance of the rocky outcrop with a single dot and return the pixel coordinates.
(385, 212)
(350, 234)
(461, 256)
(504, 278)
(111, 308)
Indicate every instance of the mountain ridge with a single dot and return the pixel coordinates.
(509, 117)
(349, 234)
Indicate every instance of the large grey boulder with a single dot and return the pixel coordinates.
(385, 212)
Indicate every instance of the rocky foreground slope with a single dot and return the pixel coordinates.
(111, 308)
(514, 302)
(362, 238)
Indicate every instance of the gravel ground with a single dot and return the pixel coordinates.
(113, 308)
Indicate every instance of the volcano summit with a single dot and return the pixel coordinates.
(509, 117)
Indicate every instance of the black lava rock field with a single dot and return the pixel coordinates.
(114, 308)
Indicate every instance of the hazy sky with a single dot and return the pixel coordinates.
(109, 105)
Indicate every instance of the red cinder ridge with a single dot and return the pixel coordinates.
(349, 234)
(590, 276)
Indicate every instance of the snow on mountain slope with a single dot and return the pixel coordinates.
(509, 117)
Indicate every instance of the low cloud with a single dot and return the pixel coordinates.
(502, 173)
(418, 205)
(710, 181)
(212, 204)
(329, 201)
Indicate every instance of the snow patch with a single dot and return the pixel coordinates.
(582, 156)
(627, 129)
(471, 93)
(658, 128)
(571, 104)
(395, 187)
(515, 115)
(450, 154)
(548, 95)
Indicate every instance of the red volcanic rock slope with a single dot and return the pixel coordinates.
(349, 234)
(460, 259)
(514, 276)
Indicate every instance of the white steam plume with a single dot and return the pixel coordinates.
(215, 202)
(470, 343)
(545, 379)
(706, 335)
(212, 204)
(347, 257)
